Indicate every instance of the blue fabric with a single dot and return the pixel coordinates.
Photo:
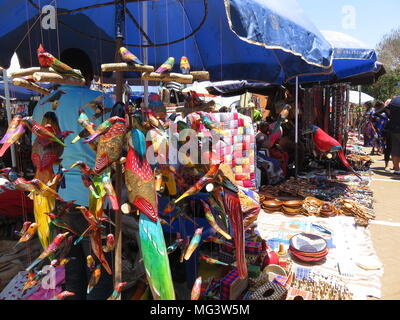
(287, 43)
(350, 58)
(67, 114)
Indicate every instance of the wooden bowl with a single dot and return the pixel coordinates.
(291, 211)
(314, 201)
(293, 204)
(272, 204)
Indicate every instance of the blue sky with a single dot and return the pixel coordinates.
(373, 18)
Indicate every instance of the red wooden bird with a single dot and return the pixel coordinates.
(325, 143)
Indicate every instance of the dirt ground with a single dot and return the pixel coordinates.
(386, 229)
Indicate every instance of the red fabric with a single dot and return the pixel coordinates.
(14, 203)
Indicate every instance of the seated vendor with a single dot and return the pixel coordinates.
(271, 160)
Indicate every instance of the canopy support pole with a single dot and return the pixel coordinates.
(359, 105)
(145, 54)
(119, 29)
(297, 130)
(9, 118)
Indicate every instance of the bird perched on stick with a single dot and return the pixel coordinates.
(325, 143)
(46, 59)
(167, 66)
(185, 65)
(129, 57)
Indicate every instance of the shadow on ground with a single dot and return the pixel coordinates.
(381, 171)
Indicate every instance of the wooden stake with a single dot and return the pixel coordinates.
(168, 77)
(56, 78)
(31, 86)
(122, 66)
(207, 107)
(30, 71)
(118, 181)
(200, 75)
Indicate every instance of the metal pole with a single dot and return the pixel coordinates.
(297, 129)
(359, 108)
(9, 118)
(119, 28)
(145, 54)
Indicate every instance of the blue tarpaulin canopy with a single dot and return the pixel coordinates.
(352, 60)
(266, 40)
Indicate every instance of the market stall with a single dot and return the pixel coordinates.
(170, 206)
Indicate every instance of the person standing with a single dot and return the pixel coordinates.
(382, 116)
(368, 127)
(393, 129)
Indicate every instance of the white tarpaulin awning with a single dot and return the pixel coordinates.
(355, 97)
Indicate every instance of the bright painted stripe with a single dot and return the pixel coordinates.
(385, 223)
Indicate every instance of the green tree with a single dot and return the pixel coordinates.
(386, 87)
(388, 51)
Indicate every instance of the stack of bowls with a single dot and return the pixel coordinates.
(327, 210)
(292, 207)
(308, 247)
(272, 206)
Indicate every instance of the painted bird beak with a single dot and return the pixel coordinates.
(306, 132)
(74, 165)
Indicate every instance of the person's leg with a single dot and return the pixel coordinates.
(396, 164)
(388, 151)
(396, 152)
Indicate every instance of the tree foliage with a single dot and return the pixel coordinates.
(386, 87)
(389, 54)
(389, 50)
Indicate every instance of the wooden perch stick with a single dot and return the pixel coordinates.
(126, 67)
(200, 75)
(30, 71)
(167, 77)
(31, 86)
(56, 78)
(207, 107)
